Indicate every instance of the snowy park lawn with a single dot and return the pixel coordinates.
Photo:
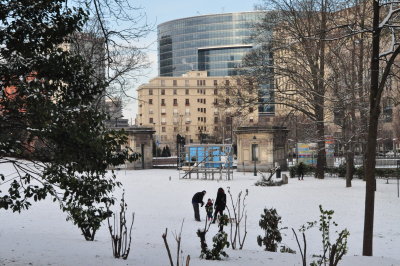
(41, 236)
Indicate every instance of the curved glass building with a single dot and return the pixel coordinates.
(214, 43)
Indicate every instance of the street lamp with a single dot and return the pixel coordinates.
(293, 150)
(255, 157)
(394, 147)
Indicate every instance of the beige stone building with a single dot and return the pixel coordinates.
(188, 105)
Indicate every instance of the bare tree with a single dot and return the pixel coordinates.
(110, 41)
(236, 215)
(384, 22)
(121, 238)
(292, 53)
(348, 65)
(178, 239)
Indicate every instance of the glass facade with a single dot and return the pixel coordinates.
(215, 43)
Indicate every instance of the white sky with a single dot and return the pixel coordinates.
(159, 11)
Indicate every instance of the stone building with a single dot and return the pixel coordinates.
(140, 140)
(188, 106)
(261, 148)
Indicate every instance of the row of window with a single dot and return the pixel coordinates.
(200, 83)
(228, 120)
(202, 119)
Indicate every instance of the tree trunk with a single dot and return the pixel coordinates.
(321, 156)
(349, 165)
(372, 135)
(319, 110)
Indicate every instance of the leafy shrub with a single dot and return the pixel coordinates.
(269, 222)
(220, 241)
(331, 253)
(308, 169)
(87, 218)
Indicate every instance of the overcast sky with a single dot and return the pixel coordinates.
(159, 11)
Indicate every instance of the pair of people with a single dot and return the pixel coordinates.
(220, 204)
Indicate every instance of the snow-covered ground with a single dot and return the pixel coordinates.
(41, 236)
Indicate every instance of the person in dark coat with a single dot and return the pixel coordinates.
(196, 200)
(300, 170)
(220, 203)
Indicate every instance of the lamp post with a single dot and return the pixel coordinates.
(398, 169)
(255, 157)
(394, 147)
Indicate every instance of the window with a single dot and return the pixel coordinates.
(187, 102)
(175, 91)
(227, 82)
(187, 91)
(215, 91)
(251, 109)
(187, 111)
(162, 102)
(163, 112)
(151, 111)
(175, 102)
(151, 120)
(163, 121)
(175, 83)
(162, 91)
(187, 129)
(201, 83)
(227, 102)
(150, 101)
(150, 91)
(216, 119)
(186, 82)
(175, 129)
(215, 82)
(162, 83)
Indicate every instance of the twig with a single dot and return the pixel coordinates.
(164, 236)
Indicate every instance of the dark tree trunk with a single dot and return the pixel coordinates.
(349, 166)
(321, 157)
(372, 135)
(319, 110)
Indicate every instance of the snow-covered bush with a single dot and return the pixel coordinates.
(269, 222)
(220, 241)
(88, 219)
